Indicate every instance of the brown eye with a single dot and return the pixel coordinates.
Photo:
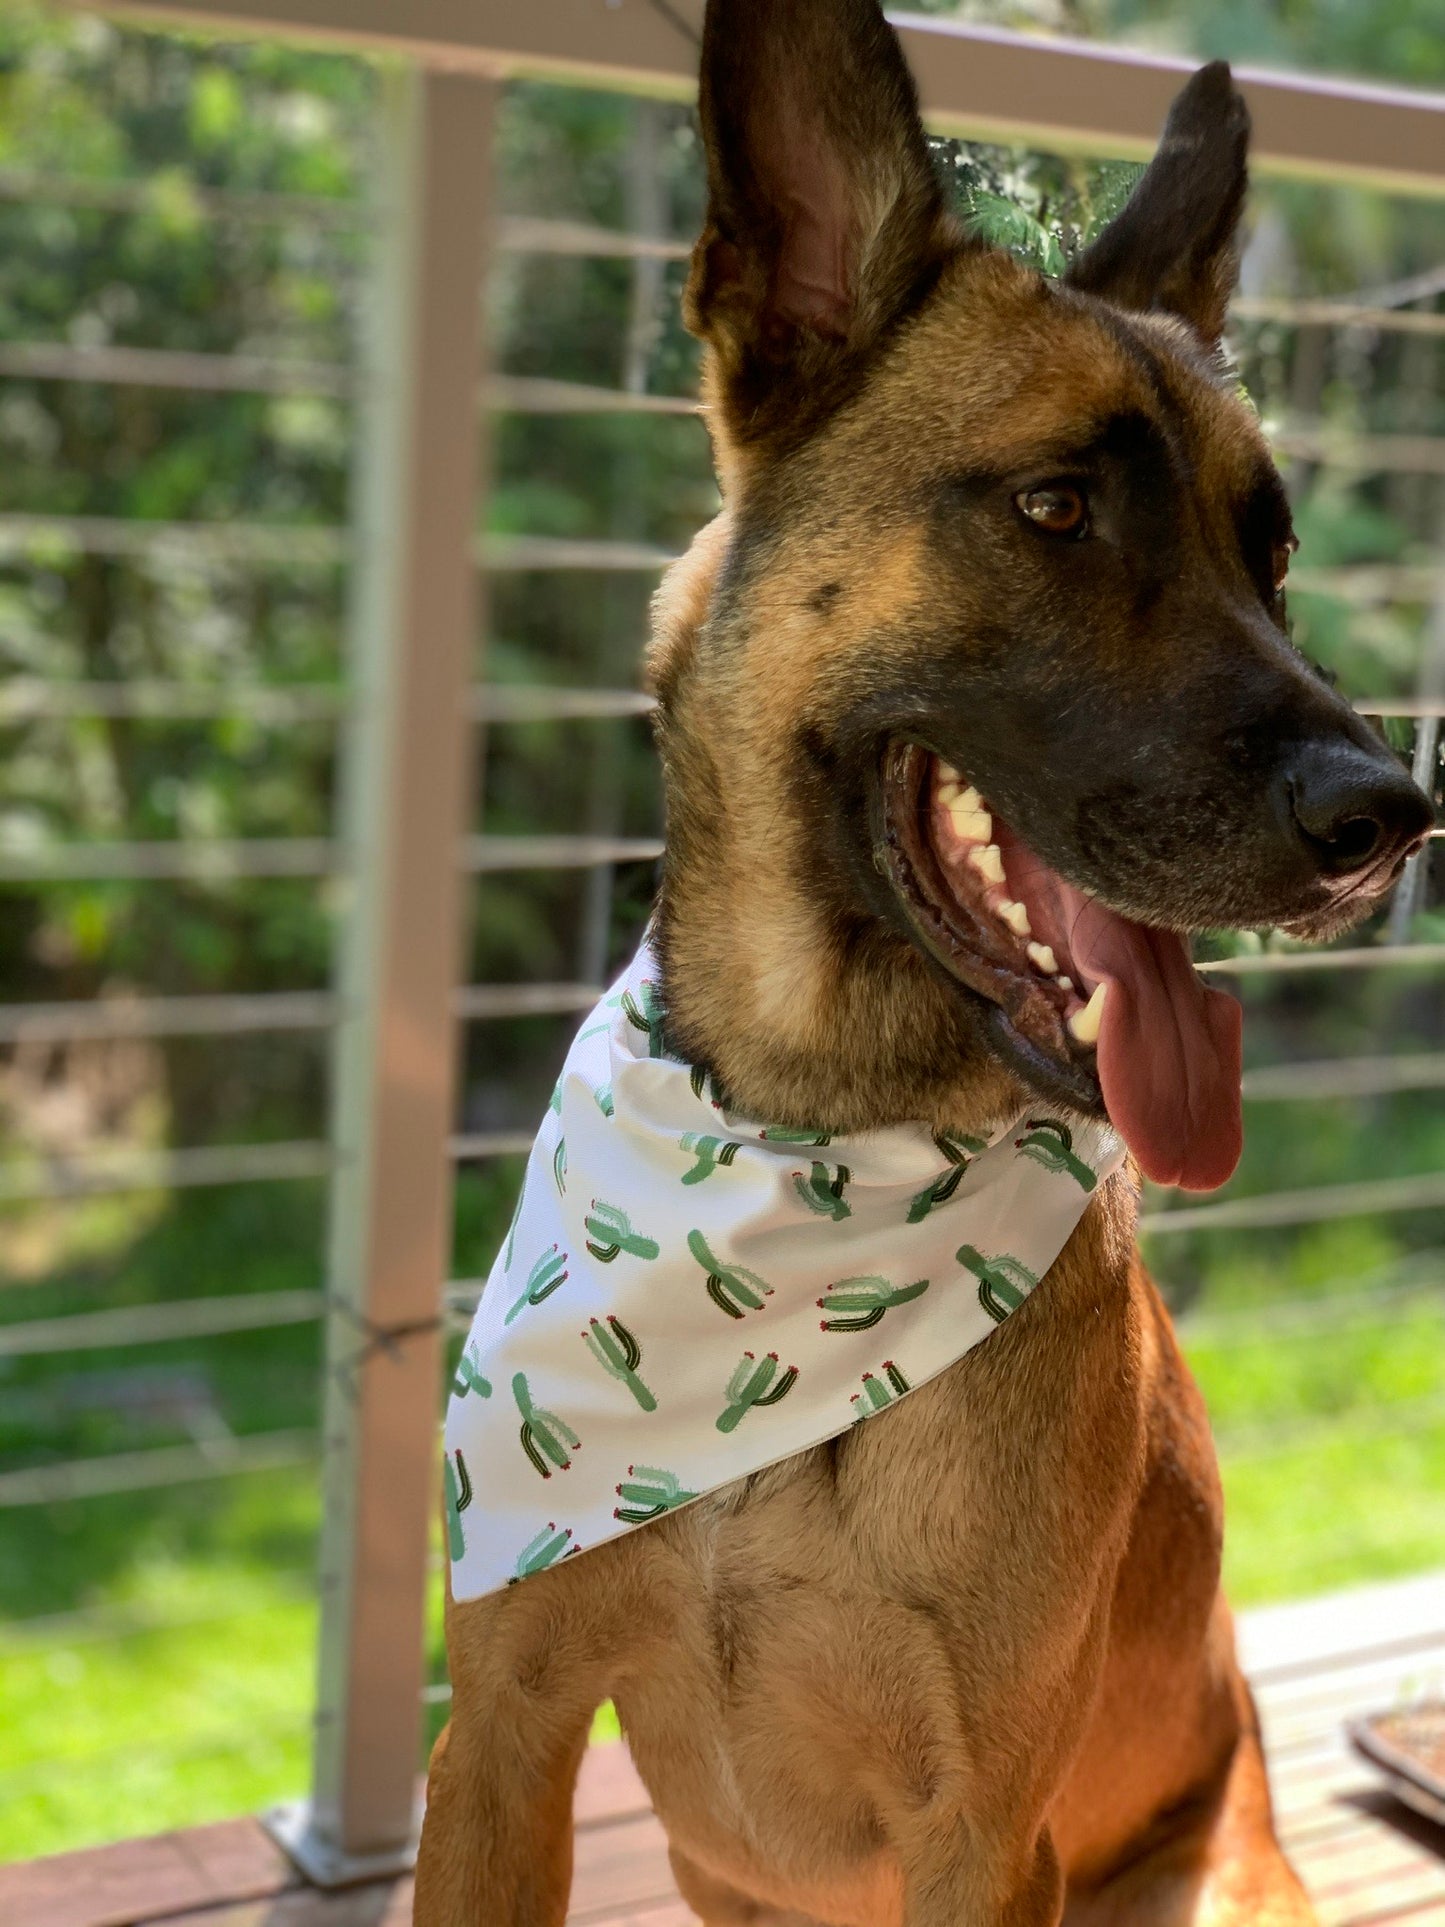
(1057, 509)
(1279, 561)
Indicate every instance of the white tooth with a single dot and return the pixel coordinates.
(988, 861)
(1084, 1024)
(947, 774)
(1043, 958)
(970, 799)
(1064, 983)
(1016, 917)
(971, 825)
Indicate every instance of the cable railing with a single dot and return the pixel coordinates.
(307, 546)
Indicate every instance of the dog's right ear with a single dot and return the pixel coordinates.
(1174, 248)
(825, 218)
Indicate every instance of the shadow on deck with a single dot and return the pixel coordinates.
(1365, 1858)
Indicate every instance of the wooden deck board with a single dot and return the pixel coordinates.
(1367, 1861)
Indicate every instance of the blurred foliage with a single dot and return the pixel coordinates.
(126, 1615)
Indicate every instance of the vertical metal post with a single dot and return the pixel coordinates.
(413, 636)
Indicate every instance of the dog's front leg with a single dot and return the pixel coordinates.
(952, 1878)
(496, 1843)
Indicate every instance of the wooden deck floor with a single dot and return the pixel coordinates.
(1364, 1858)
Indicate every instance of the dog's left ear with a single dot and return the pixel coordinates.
(825, 217)
(1174, 246)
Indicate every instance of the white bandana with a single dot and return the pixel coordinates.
(685, 1297)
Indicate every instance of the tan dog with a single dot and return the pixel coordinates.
(967, 1665)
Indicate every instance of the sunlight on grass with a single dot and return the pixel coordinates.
(180, 1688)
(1331, 1433)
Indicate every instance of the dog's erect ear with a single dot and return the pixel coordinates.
(1173, 247)
(825, 216)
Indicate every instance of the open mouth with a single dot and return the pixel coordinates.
(1092, 1008)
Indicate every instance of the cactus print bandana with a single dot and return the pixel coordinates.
(686, 1295)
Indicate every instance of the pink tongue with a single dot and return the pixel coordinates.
(1169, 1050)
(1169, 1047)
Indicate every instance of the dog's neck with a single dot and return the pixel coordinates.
(807, 1016)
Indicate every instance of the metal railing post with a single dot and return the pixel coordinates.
(413, 638)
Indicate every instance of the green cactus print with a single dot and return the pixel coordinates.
(783, 1134)
(647, 1493)
(546, 1275)
(878, 1393)
(545, 1550)
(731, 1288)
(468, 1376)
(957, 1147)
(457, 1494)
(1003, 1283)
(612, 1234)
(858, 1304)
(822, 1191)
(705, 1086)
(1051, 1144)
(618, 1352)
(544, 1435)
(559, 1165)
(932, 1195)
(604, 1101)
(749, 1386)
(958, 1151)
(554, 1102)
(516, 1219)
(648, 1017)
(710, 1152)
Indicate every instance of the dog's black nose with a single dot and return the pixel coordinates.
(1355, 808)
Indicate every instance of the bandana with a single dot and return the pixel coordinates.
(686, 1295)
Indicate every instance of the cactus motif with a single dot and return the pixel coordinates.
(783, 1134)
(612, 1233)
(554, 1102)
(1003, 1283)
(468, 1376)
(603, 1097)
(710, 1152)
(704, 1086)
(618, 1352)
(516, 1220)
(647, 1493)
(879, 1392)
(645, 1013)
(544, 1435)
(938, 1192)
(559, 1165)
(546, 1275)
(457, 1489)
(545, 1550)
(600, 1030)
(752, 1384)
(958, 1151)
(731, 1288)
(823, 1192)
(858, 1304)
(1051, 1144)
(957, 1147)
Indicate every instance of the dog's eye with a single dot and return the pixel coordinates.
(1058, 508)
(1279, 561)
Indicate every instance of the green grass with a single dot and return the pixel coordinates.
(180, 1691)
(1331, 1438)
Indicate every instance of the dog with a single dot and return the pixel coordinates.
(1000, 567)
